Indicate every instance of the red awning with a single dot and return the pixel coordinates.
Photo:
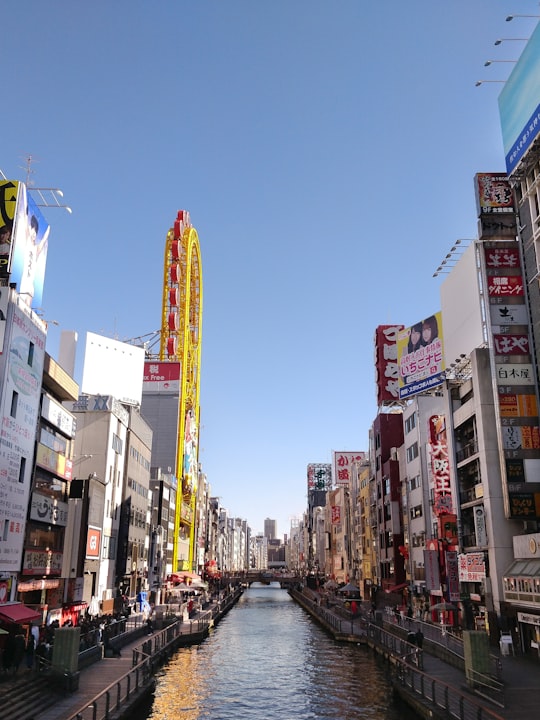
(396, 588)
(18, 613)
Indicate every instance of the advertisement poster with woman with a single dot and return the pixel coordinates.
(420, 356)
(29, 253)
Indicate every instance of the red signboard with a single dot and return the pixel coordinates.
(511, 344)
(505, 286)
(440, 466)
(93, 543)
(502, 258)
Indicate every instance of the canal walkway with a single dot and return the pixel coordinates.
(434, 678)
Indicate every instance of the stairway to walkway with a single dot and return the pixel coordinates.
(25, 695)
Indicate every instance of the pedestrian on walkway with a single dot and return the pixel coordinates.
(19, 650)
(9, 653)
(30, 649)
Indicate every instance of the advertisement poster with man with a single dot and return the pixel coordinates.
(420, 356)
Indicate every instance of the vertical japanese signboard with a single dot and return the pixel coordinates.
(19, 407)
(386, 365)
(440, 466)
(510, 345)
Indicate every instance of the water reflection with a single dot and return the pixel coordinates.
(267, 660)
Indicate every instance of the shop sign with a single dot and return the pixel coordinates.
(529, 619)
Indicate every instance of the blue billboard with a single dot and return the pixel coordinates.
(519, 104)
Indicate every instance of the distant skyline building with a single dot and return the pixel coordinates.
(270, 529)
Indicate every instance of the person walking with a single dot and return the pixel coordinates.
(30, 651)
(9, 653)
(19, 650)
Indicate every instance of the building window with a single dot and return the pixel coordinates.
(31, 354)
(410, 423)
(117, 444)
(22, 469)
(14, 403)
(415, 483)
(416, 512)
(412, 452)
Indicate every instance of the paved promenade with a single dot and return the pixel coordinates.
(93, 680)
(521, 678)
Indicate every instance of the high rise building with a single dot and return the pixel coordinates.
(270, 529)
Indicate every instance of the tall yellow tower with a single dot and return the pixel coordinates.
(180, 340)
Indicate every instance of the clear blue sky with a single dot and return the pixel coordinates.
(326, 153)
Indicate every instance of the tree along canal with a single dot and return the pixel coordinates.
(268, 660)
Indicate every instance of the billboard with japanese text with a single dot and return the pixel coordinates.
(497, 217)
(494, 194)
(515, 378)
(421, 356)
(20, 395)
(161, 376)
(386, 366)
(440, 465)
(319, 476)
(343, 462)
(472, 567)
(519, 104)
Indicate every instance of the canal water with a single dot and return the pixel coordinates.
(268, 660)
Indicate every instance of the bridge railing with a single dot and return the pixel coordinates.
(146, 658)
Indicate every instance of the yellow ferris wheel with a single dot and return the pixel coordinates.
(180, 341)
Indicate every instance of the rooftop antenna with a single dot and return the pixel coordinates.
(29, 170)
(46, 196)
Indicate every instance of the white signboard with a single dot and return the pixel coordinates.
(58, 416)
(113, 368)
(19, 404)
(48, 510)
